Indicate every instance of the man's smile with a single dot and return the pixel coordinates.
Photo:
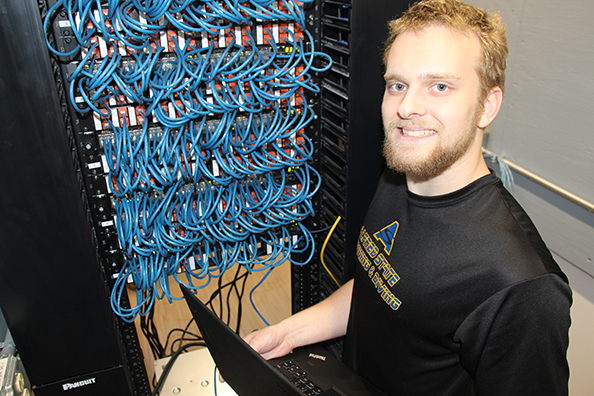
(417, 132)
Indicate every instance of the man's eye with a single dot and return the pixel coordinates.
(398, 87)
(441, 87)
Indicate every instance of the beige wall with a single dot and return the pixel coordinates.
(545, 127)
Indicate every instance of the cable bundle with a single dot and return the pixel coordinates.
(201, 114)
(221, 150)
(193, 82)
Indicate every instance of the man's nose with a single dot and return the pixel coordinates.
(412, 104)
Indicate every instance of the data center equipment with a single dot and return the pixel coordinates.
(149, 140)
(52, 289)
(191, 120)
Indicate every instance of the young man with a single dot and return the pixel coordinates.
(455, 294)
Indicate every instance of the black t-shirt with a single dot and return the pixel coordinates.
(457, 295)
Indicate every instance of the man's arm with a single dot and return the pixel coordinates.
(515, 343)
(325, 320)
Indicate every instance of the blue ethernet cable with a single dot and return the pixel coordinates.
(252, 292)
(154, 10)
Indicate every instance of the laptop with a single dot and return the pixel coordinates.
(306, 371)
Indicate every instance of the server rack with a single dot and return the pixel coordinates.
(74, 225)
(53, 289)
(62, 155)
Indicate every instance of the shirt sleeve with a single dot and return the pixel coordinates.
(515, 343)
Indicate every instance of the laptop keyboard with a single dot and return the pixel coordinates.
(298, 377)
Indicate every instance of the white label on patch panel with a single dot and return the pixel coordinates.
(115, 118)
(102, 47)
(108, 184)
(204, 39)
(94, 165)
(215, 168)
(132, 116)
(181, 39)
(107, 223)
(122, 48)
(97, 121)
(104, 163)
(275, 32)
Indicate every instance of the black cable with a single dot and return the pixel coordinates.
(221, 300)
(147, 325)
(229, 298)
(218, 292)
(321, 230)
(185, 336)
(236, 286)
(239, 304)
(233, 287)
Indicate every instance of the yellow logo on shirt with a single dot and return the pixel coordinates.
(378, 268)
(386, 236)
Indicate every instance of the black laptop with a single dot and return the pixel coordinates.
(306, 371)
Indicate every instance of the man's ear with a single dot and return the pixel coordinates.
(491, 107)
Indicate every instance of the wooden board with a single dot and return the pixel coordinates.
(272, 298)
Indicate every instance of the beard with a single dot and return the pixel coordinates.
(402, 157)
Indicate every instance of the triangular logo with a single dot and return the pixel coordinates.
(386, 236)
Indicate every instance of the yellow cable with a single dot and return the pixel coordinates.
(324, 248)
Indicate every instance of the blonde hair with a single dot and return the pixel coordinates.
(465, 18)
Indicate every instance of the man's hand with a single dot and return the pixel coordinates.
(270, 342)
(323, 321)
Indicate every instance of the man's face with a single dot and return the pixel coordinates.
(430, 108)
